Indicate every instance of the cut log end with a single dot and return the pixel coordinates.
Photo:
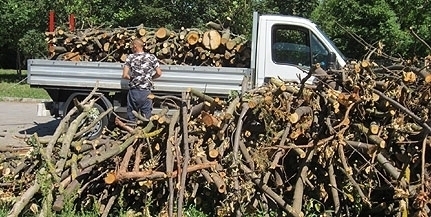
(162, 33)
(209, 120)
(110, 178)
(211, 39)
(410, 77)
(293, 118)
(428, 79)
(374, 128)
(192, 38)
(213, 153)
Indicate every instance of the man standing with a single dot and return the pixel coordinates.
(140, 69)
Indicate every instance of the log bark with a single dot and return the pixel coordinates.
(24, 200)
(286, 207)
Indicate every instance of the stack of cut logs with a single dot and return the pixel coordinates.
(356, 143)
(214, 46)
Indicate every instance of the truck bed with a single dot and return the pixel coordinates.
(175, 78)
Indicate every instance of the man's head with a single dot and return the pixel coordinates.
(138, 45)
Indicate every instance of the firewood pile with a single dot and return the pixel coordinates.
(215, 45)
(354, 143)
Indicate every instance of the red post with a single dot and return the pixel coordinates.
(51, 21)
(51, 26)
(72, 22)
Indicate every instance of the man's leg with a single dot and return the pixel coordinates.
(144, 104)
(131, 105)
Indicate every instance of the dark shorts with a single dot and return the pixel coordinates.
(137, 100)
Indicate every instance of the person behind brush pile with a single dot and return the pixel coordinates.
(140, 69)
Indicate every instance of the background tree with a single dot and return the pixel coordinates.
(415, 14)
(387, 21)
(379, 20)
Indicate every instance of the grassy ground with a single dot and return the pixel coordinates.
(14, 85)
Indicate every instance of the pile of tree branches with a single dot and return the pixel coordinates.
(214, 46)
(354, 143)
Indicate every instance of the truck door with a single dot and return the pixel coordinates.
(287, 50)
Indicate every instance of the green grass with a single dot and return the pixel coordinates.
(14, 85)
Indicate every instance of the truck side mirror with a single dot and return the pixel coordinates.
(332, 60)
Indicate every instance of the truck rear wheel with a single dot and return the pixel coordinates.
(100, 125)
(97, 130)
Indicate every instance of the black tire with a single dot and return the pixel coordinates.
(100, 125)
(97, 130)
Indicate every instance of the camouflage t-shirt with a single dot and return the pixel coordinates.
(142, 69)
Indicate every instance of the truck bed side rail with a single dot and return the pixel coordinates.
(67, 74)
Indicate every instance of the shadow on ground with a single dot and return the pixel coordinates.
(12, 78)
(42, 129)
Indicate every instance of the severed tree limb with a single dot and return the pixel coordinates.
(387, 165)
(154, 175)
(347, 173)
(23, 200)
(305, 79)
(334, 191)
(67, 140)
(186, 155)
(170, 161)
(138, 157)
(201, 95)
(246, 154)
(268, 191)
(299, 112)
(299, 186)
(423, 158)
(115, 150)
(63, 124)
(214, 177)
(229, 114)
(370, 148)
(108, 154)
(419, 38)
(126, 158)
(89, 127)
(123, 126)
(111, 201)
(236, 145)
(404, 109)
(205, 173)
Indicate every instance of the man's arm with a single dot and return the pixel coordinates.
(126, 70)
(158, 73)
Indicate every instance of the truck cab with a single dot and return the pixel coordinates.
(286, 47)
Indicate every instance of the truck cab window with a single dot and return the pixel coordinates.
(290, 45)
(319, 52)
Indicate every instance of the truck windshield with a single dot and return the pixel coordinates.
(332, 43)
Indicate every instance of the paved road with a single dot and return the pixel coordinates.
(18, 119)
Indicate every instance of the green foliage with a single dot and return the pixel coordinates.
(32, 44)
(192, 211)
(314, 208)
(387, 21)
(4, 209)
(292, 7)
